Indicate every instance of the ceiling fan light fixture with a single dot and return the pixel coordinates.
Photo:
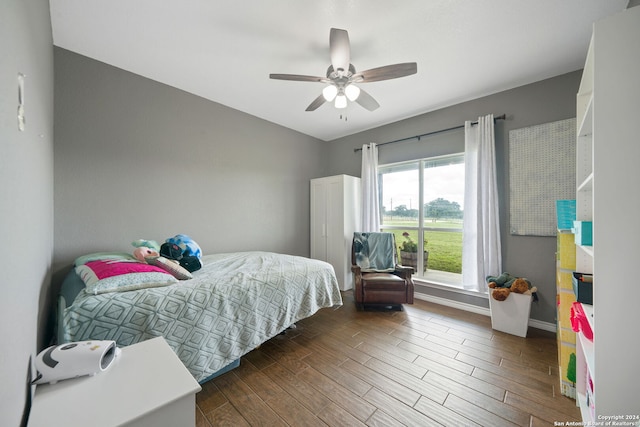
(329, 92)
(341, 76)
(352, 92)
(341, 101)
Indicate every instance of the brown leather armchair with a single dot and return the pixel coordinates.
(387, 289)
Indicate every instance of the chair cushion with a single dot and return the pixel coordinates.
(385, 281)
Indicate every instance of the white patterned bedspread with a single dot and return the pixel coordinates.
(233, 304)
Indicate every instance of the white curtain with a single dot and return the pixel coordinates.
(370, 195)
(481, 250)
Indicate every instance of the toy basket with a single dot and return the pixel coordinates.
(511, 315)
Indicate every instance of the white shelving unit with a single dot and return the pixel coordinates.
(608, 177)
(584, 212)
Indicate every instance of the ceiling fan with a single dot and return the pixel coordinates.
(342, 77)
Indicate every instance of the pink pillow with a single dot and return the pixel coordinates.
(103, 268)
(117, 276)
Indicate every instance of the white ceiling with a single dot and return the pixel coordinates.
(224, 50)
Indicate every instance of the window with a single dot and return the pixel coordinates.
(422, 204)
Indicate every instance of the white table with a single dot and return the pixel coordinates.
(147, 386)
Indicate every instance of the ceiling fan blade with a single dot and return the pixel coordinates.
(387, 72)
(316, 103)
(367, 101)
(297, 78)
(340, 49)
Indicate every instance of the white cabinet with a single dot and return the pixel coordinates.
(335, 215)
(147, 386)
(608, 176)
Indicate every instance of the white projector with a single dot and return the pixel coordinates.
(75, 359)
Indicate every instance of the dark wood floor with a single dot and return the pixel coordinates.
(426, 366)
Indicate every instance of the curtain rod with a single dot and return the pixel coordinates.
(502, 117)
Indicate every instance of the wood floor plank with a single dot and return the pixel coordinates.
(285, 357)
(254, 410)
(430, 346)
(474, 397)
(347, 335)
(464, 329)
(561, 412)
(532, 369)
(294, 412)
(427, 365)
(467, 380)
(399, 328)
(451, 362)
(382, 419)
(380, 329)
(479, 414)
(433, 328)
(443, 415)
(407, 380)
(486, 353)
(327, 344)
(258, 381)
(445, 338)
(395, 350)
(339, 375)
(480, 335)
(503, 381)
(337, 416)
(226, 416)
(295, 386)
(339, 395)
(210, 397)
(398, 410)
(520, 374)
(391, 358)
(201, 420)
(378, 339)
(259, 358)
(389, 386)
(502, 351)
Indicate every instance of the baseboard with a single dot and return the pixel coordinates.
(534, 323)
(545, 326)
(452, 303)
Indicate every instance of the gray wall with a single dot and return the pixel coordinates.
(542, 102)
(26, 195)
(138, 159)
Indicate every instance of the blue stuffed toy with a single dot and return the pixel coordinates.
(183, 249)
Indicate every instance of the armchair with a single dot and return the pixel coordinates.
(379, 282)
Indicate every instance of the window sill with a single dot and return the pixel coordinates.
(446, 281)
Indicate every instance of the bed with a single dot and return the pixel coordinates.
(235, 302)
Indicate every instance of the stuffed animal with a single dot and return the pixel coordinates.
(502, 281)
(183, 249)
(145, 248)
(142, 243)
(519, 286)
(500, 294)
(142, 252)
(505, 283)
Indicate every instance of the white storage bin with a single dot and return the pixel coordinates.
(511, 315)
